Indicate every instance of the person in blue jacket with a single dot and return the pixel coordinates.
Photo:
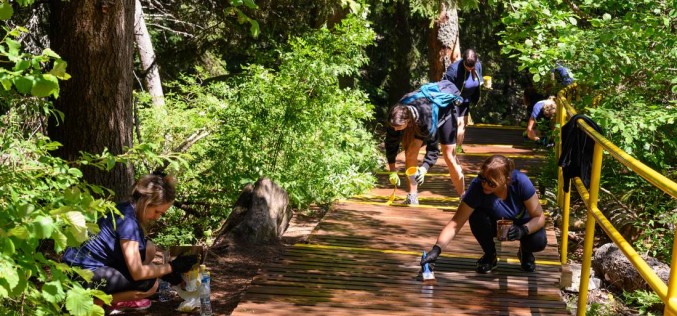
(466, 74)
(498, 192)
(411, 123)
(120, 256)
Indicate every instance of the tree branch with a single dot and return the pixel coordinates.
(578, 10)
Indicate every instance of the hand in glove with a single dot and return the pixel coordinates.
(394, 178)
(420, 175)
(431, 257)
(173, 278)
(183, 264)
(517, 232)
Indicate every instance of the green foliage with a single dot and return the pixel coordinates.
(648, 303)
(623, 51)
(296, 124)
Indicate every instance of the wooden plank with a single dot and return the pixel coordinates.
(362, 259)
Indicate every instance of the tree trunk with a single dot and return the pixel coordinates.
(151, 75)
(443, 43)
(400, 82)
(96, 39)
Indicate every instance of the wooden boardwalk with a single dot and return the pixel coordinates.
(362, 259)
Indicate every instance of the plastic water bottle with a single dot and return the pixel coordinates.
(205, 292)
(164, 294)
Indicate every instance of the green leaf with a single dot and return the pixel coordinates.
(23, 84)
(250, 4)
(6, 11)
(254, 28)
(59, 70)
(43, 226)
(14, 48)
(9, 274)
(573, 21)
(529, 43)
(78, 225)
(8, 248)
(79, 302)
(46, 85)
(50, 53)
(22, 65)
(537, 77)
(60, 240)
(53, 292)
(20, 232)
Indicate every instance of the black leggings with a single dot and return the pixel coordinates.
(483, 227)
(111, 280)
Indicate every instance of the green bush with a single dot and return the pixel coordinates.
(301, 125)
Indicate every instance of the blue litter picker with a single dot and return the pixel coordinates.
(427, 274)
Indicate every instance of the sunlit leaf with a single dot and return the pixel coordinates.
(6, 11)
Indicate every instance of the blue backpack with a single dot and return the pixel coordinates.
(440, 94)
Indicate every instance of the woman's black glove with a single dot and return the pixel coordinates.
(431, 256)
(183, 264)
(517, 232)
(173, 278)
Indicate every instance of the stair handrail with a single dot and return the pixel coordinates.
(666, 292)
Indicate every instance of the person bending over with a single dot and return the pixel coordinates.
(543, 111)
(410, 122)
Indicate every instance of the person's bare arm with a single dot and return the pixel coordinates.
(139, 271)
(532, 133)
(536, 213)
(455, 224)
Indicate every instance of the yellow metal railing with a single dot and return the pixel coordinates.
(667, 292)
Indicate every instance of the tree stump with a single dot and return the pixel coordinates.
(260, 216)
(610, 264)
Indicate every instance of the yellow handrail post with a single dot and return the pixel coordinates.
(672, 282)
(565, 226)
(590, 229)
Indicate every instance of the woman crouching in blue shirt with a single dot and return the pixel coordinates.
(120, 256)
(498, 192)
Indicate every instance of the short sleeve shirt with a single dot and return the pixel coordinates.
(520, 190)
(104, 249)
(537, 113)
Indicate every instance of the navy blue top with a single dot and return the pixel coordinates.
(104, 249)
(520, 190)
(470, 88)
(562, 75)
(537, 112)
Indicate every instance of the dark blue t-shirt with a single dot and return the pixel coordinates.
(537, 112)
(103, 249)
(562, 75)
(520, 189)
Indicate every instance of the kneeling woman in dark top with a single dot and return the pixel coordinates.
(120, 256)
(498, 192)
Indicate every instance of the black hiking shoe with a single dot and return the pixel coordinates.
(527, 260)
(486, 263)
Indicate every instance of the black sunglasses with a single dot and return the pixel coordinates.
(490, 183)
